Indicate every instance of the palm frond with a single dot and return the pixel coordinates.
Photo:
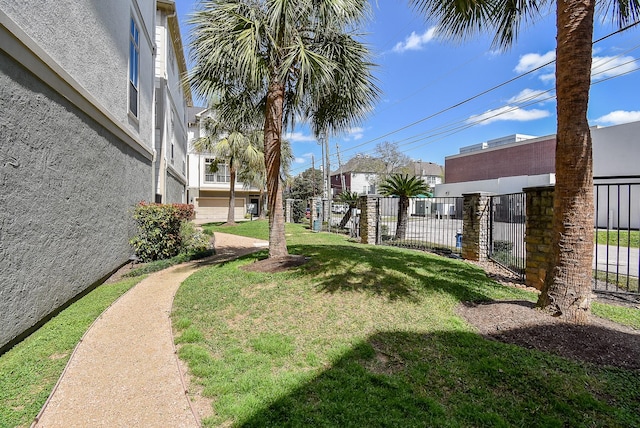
(403, 186)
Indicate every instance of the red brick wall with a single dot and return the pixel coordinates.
(525, 159)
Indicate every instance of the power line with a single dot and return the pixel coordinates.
(493, 88)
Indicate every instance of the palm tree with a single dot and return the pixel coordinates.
(404, 187)
(230, 145)
(567, 289)
(256, 174)
(291, 56)
(351, 199)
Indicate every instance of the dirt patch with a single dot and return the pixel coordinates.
(120, 273)
(275, 264)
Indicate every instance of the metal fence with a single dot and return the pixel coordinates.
(615, 260)
(507, 231)
(433, 224)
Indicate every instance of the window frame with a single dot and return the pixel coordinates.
(134, 69)
(221, 176)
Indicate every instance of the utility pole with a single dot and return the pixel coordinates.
(313, 175)
(326, 164)
(342, 185)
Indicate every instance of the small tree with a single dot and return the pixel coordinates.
(235, 144)
(404, 187)
(394, 161)
(351, 199)
(305, 185)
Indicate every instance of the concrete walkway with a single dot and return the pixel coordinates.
(124, 372)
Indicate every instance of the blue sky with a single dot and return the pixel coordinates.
(423, 79)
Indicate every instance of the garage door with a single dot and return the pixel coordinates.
(215, 209)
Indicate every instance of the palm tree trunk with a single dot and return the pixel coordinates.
(272, 135)
(263, 201)
(345, 219)
(567, 289)
(231, 217)
(401, 228)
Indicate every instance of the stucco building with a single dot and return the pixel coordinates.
(361, 174)
(77, 147)
(172, 100)
(209, 191)
(509, 164)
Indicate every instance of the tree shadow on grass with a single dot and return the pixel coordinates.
(451, 379)
(231, 254)
(392, 273)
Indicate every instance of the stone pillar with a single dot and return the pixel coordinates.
(538, 234)
(369, 219)
(315, 217)
(288, 211)
(475, 219)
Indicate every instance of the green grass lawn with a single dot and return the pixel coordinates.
(622, 238)
(254, 229)
(30, 370)
(368, 336)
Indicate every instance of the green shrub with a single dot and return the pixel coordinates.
(185, 212)
(158, 234)
(191, 239)
(298, 211)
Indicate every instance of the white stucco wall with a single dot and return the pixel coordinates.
(90, 41)
(499, 186)
(362, 181)
(616, 150)
(171, 123)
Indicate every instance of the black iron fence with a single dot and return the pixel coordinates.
(617, 215)
(433, 224)
(507, 231)
(436, 224)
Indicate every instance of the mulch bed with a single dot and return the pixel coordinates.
(601, 342)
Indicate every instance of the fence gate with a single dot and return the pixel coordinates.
(506, 231)
(616, 260)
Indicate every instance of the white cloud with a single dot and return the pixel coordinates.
(548, 77)
(507, 113)
(609, 66)
(602, 66)
(299, 137)
(355, 133)
(529, 95)
(533, 60)
(618, 117)
(305, 158)
(415, 41)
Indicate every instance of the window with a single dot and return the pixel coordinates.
(134, 67)
(172, 134)
(220, 176)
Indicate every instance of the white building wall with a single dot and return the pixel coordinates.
(362, 183)
(616, 150)
(499, 186)
(171, 132)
